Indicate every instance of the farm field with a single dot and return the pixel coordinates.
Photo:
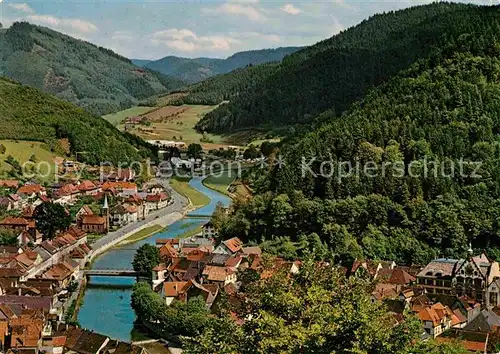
(118, 117)
(22, 151)
(171, 123)
(174, 123)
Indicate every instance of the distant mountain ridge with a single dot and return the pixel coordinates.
(198, 69)
(338, 71)
(89, 76)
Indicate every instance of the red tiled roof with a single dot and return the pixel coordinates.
(87, 185)
(8, 183)
(401, 277)
(30, 189)
(136, 199)
(160, 267)
(118, 185)
(10, 273)
(234, 244)
(11, 220)
(93, 220)
(174, 289)
(156, 197)
(67, 189)
(168, 251)
(234, 261)
(215, 273)
(86, 210)
(76, 232)
(59, 341)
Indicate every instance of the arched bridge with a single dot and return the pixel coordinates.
(112, 272)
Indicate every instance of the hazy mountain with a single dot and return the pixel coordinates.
(198, 69)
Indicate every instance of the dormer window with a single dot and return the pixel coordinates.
(429, 273)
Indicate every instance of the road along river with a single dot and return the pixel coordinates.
(106, 308)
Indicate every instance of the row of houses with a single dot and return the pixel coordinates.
(456, 299)
(32, 330)
(197, 266)
(131, 204)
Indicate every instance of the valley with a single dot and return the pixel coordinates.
(178, 124)
(341, 197)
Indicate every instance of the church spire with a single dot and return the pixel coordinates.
(105, 206)
(470, 251)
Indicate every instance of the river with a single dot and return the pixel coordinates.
(106, 308)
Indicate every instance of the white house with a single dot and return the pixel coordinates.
(124, 214)
(229, 247)
(208, 230)
(157, 201)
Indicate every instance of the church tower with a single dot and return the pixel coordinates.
(105, 212)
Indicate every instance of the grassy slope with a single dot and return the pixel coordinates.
(177, 128)
(22, 152)
(220, 183)
(29, 114)
(118, 117)
(181, 186)
(142, 234)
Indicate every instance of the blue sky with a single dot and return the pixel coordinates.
(216, 28)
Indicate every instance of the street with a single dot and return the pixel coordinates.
(179, 205)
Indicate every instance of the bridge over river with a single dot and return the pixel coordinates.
(112, 273)
(106, 307)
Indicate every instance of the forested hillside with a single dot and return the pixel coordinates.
(336, 72)
(92, 77)
(228, 86)
(29, 114)
(435, 127)
(198, 69)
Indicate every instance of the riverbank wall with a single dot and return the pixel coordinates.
(115, 241)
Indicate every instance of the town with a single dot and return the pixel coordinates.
(41, 277)
(455, 299)
(246, 176)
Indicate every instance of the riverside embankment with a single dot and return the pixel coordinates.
(106, 306)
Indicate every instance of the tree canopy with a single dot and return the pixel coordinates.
(316, 311)
(94, 78)
(51, 218)
(146, 258)
(437, 119)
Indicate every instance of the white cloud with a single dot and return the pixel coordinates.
(22, 7)
(68, 25)
(236, 8)
(185, 40)
(290, 9)
(266, 37)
